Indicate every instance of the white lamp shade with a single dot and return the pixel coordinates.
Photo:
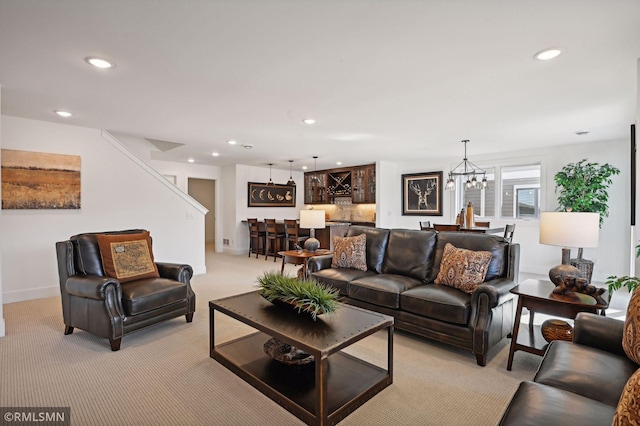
(569, 229)
(312, 219)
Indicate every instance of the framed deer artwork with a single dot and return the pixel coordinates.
(422, 194)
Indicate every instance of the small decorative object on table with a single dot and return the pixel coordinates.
(304, 295)
(579, 285)
(554, 329)
(285, 353)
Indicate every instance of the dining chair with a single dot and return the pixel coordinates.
(439, 227)
(273, 238)
(256, 237)
(482, 224)
(292, 232)
(425, 225)
(508, 232)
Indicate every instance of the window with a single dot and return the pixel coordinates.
(513, 193)
(520, 187)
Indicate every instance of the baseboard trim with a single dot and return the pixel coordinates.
(31, 294)
(2, 329)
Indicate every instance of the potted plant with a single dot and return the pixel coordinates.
(583, 187)
(615, 283)
(304, 295)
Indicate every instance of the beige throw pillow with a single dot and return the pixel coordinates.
(127, 257)
(350, 252)
(463, 269)
(631, 335)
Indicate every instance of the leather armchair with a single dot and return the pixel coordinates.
(101, 305)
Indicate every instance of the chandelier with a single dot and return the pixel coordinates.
(468, 170)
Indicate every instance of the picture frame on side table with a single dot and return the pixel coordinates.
(422, 194)
(276, 195)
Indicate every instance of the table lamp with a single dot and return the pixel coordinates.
(312, 219)
(568, 229)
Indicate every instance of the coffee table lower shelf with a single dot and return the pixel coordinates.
(350, 381)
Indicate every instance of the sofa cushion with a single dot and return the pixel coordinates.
(410, 253)
(584, 370)
(151, 293)
(628, 409)
(339, 278)
(463, 269)
(631, 334)
(350, 252)
(538, 405)
(476, 242)
(127, 257)
(377, 239)
(381, 289)
(438, 302)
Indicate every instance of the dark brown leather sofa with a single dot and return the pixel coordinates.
(401, 268)
(103, 306)
(579, 382)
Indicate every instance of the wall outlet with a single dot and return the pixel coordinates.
(225, 241)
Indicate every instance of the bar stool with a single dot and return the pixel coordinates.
(292, 232)
(256, 237)
(273, 238)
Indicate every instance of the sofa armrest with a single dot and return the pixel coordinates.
(91, 286)
(497, 291)
(599, 332)
(318, 263)
(175, 271)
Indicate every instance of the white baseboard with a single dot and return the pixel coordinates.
(31, 294)
(2, 330)
(199, 270)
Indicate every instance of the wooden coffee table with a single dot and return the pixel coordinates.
(537, 296)
(323, 392)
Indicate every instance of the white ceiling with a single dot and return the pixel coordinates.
(385, 79)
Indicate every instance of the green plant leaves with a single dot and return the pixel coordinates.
(583, 187)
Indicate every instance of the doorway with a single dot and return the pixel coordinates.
(204, 192)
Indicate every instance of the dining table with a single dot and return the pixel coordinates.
(483, 229)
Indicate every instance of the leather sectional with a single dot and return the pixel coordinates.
(399, 281)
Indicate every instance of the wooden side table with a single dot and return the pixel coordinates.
(537, 296)
(299, 257)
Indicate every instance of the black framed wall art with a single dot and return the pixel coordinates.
(422, 194)
(263, 195)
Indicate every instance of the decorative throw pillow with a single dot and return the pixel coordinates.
(127, 257)
(631, 334)
(463, 269)
(628, 409)
(350, 252)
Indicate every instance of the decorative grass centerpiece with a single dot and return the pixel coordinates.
(305, 295)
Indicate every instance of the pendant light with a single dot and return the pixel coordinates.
(314, 179)
(291, 182)
(467, 170)
(270, 183)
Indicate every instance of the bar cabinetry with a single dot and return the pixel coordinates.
(364, 184)
(359, 183)
(315, 190)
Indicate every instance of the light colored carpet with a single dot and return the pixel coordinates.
(163, 375)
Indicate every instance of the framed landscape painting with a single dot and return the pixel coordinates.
(422, 194)
(263, 195)
(39, 180)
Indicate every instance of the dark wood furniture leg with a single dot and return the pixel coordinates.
(516, 328)
(115, 344)
(189, 317)
(68, 329)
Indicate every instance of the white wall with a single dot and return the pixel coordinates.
(117, 193)
(610, 257)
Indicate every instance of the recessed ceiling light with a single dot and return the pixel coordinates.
(215, 154)
(232, 142)
(100, 63)
(309, 121)
(338, 163)
(304, 167)
(191, 160)
(64, 114)
(547, 54)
